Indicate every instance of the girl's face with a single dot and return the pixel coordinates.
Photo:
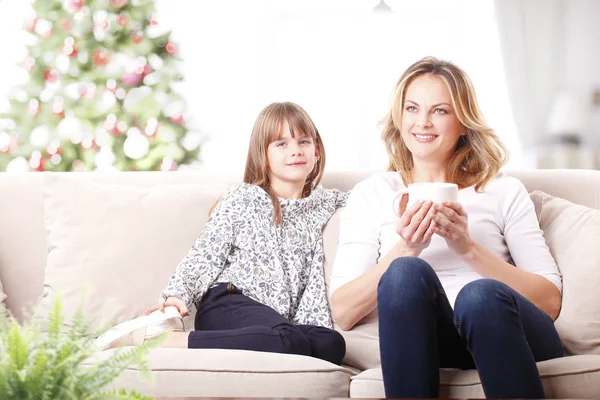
(430, 128)
(291, 159)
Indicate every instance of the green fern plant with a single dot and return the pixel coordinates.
(46, 364)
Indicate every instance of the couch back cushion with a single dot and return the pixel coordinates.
(23, 246)
(117, 244)
(572, 233)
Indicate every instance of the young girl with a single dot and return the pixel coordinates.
(467, 284)
(255, 274)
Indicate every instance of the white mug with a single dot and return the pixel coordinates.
(437, 192)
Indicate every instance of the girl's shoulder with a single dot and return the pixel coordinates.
(244, 196)
(334, 197)
(246, 190)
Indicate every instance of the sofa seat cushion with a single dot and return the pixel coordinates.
(236, 373)
(568, 377)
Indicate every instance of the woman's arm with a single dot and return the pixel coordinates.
(207, 257)
(537, 277)
(354, 300)
(356, 272)
(537, 289)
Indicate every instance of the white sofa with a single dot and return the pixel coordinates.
(120, 235)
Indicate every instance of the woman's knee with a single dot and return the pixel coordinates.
(483, 299)
(404, 276)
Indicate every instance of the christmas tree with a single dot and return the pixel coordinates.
(99, 94)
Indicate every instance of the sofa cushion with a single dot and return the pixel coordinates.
(572, 233)
(117, 244)
(568, 378)
(236, 373)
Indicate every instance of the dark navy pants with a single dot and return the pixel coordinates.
(226, 319)
(492, 328)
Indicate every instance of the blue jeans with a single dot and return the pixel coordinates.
(226, 319)
(492, 328)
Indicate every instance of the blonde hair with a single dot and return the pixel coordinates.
(479, 154)
(267, 128)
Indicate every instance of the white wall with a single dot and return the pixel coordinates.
(582, 55)
(334, 57)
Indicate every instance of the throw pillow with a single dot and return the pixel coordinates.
(572, 233)
(118, 244)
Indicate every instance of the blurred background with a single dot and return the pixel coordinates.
(167, 85)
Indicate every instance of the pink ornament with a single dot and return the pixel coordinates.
(118, 3)
(171, 48)
(122, 20)
(111, 85)
(30, 23)
(176, 118)
(66, 24)
(52, 150)
(70, 51)
(100, 57)
(137, 37)
(168, 164)
(82, 90)
(58, 109)
(37, 163)
(47, 34)
(131, 79)
(78, 166)
(76, 4)
(33, 108)
(51, 75)
(101, 25)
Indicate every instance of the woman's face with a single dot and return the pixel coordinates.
(430, 127)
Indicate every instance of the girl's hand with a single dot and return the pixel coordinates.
(451, 222)
(171, 301)
(415, 225)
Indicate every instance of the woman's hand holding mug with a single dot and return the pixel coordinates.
(451, 222)
(415, 207)
(415, 225)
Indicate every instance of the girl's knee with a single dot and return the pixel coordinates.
(294, 340)
(332, 347)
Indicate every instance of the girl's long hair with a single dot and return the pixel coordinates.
(267, 129)
(479, 154)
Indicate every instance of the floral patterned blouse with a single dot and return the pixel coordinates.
(279, 266)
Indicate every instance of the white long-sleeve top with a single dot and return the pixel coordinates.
(280, 266)
(501, 218)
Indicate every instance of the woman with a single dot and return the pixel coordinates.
(466, 284)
